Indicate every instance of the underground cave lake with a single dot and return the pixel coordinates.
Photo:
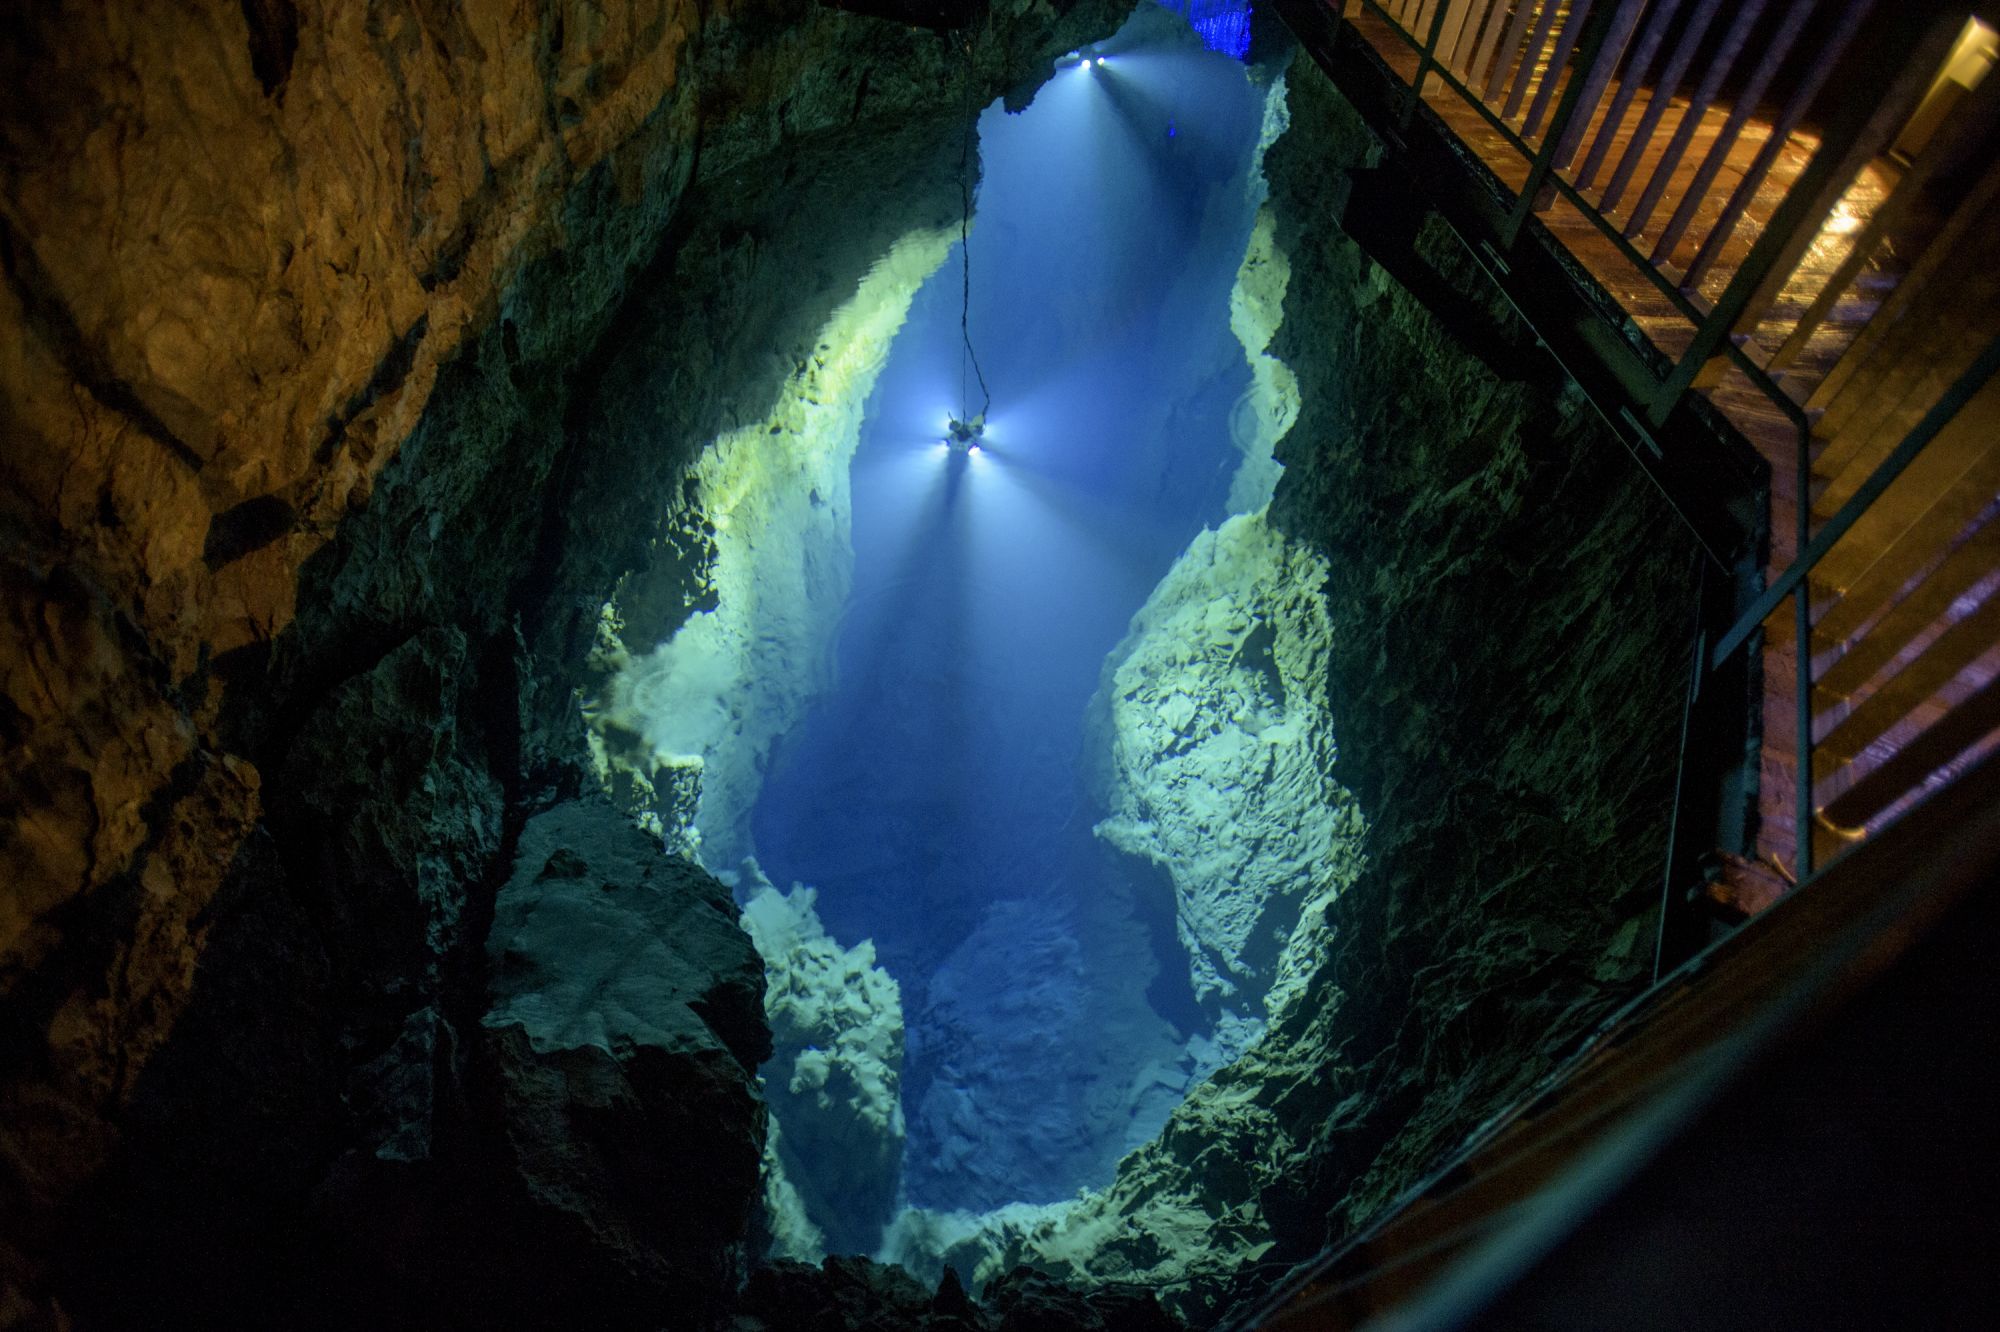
(1012, 746)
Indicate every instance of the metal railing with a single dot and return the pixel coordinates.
(1507, 61)
(1947, 647)
(1675, 129)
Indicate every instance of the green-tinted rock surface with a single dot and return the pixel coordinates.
(1256, 308)
(682, 729)
(834, 1081)
(1221, 751)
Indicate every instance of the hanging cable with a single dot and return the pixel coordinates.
(965, 251)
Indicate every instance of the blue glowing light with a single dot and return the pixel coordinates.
(1222, 25)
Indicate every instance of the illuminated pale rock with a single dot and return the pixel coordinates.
(683, 730)
(834, 1080)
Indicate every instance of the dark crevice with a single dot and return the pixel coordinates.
(493, 705)
(268, 736)
(13, 723)
(389, 375)
(510, 350)
(274, 40)
(626, 322)
(1384, 215)
(449, 260)
(93, 927)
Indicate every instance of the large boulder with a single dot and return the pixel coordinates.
(625, 1030)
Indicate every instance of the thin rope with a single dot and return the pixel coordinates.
(965, 248)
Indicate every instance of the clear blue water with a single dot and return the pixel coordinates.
(938, 797)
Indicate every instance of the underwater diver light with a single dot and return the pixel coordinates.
(964, 436)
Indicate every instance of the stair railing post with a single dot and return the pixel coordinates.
(1557, 144)
(1426, 62)
(1802, 854)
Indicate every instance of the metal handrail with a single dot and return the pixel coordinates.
(1542, 173)
(1713, 326)
(1933, 423)
(1795, 579)
(1889, 911)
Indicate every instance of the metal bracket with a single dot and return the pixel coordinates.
(1638, 428)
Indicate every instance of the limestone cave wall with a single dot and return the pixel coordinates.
(349, 357)
(1513, 609)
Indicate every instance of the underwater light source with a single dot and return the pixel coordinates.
(963, 436)
(1100, 62)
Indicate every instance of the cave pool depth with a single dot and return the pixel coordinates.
(939, 799)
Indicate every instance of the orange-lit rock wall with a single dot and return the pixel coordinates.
(241, 243)
(236, 257)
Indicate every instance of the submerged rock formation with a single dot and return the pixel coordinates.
(1221, 753)
(1211, 730)
(1503, 592)
(834, 1080)
(684, 727)
(1031, 1045)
